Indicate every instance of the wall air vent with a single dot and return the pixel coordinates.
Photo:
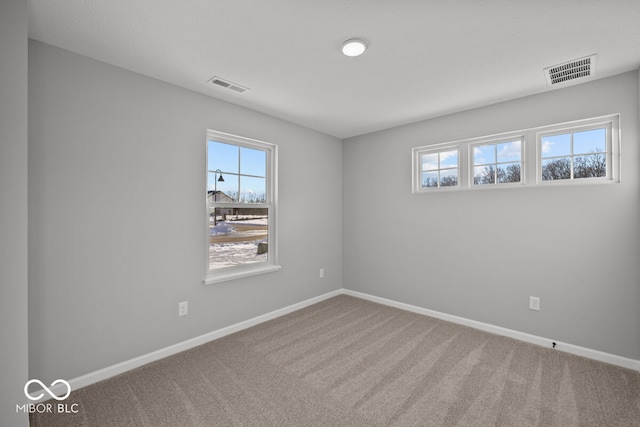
(576, 69)
(227, 84)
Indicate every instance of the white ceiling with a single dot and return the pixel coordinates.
(425, 58)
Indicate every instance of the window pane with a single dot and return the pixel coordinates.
(484, 154)
(429, 162)
(237, 236)
(509, 151)
(429, 179)
(219, 191)
(590, 141)
(508, 172)
(253, 162)
(556, 145)
(222, 156)
(484, 175)
(449, 159)
(449, 178)
(253, 190)
(592, 166)
(556, 169)
(226, 191)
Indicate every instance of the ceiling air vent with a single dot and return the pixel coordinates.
(576, 69)
(227, 84)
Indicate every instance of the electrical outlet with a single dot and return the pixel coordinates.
(183, 308)
(322, 273)
(534, 303)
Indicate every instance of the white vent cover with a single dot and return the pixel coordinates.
(227, 84)
(576, 69)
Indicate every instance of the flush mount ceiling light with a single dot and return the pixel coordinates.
(354, 47)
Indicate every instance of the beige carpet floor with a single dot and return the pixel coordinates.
(350, 362)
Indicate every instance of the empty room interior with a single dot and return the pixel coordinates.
(325, 213)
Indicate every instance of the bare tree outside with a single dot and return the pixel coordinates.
(556, 169)
(445, 181)
(429, 182)
(497, 163)
(484, 175)
(449, 181)
(592, 165)
(439, 169)
(510, 173)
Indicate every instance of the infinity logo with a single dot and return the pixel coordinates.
(47, 389)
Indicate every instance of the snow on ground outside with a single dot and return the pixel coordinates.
(251, 221)
(228, 254)
(222, 228)
(236, 253)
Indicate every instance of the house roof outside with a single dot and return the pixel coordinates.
(219, 197)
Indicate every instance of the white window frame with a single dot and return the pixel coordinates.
(612, 126)
(417, 154)
(531, 172)
(250, 269)
(496, 141)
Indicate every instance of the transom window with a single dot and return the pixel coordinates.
(439, 168)
(497, 163)
(574, 155)
(241, 210)
(584, 151)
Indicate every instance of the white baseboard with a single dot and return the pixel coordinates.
(521, 336)
(119, 368)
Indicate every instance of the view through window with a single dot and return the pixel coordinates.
(497, 163)
(574, 155)
(584, 151)
(439, 168)
(239, 202)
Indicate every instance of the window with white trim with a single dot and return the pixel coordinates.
(439, 167)
(497, 162)
(584, 151)
(241, 207)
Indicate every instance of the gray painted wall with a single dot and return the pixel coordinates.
(13, 219)
(108, 263)
(480, 255)
(116, 215)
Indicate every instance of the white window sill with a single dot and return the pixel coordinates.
(540, 184)
(232, 273)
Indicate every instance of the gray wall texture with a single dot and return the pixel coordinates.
(116, 187)
(481, 254)
(116, 215)
(13, 216)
